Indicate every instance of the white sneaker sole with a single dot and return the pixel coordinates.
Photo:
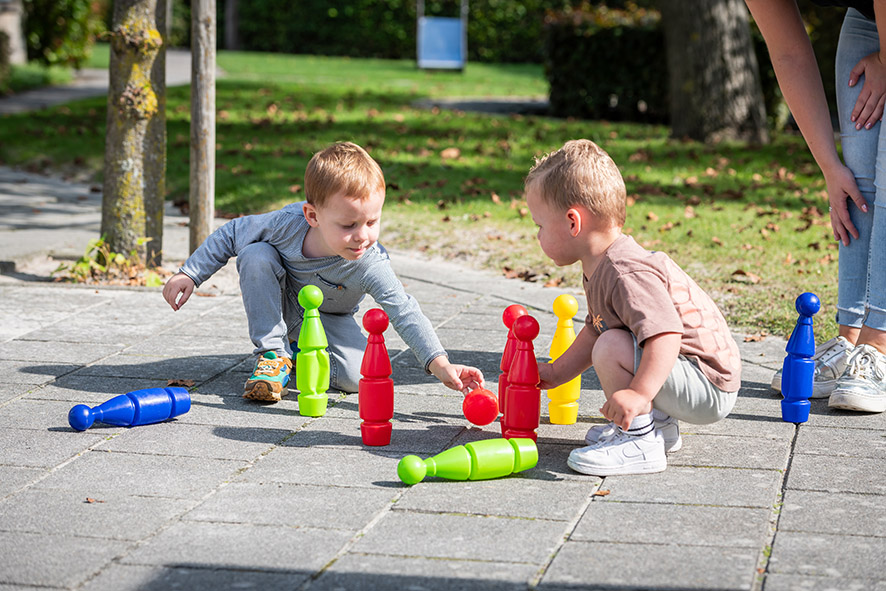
(819, 389)
(647, 467)
(857, 402)
(671, 445)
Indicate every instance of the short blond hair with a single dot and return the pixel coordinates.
(343, 167)
(581, 173)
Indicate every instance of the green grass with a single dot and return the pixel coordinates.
(455, 179)
(33, 75)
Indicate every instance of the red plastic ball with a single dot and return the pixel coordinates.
(480, 406)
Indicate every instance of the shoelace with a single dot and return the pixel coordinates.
(267, 367)
(864, 366)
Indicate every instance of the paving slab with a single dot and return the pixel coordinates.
(514, 496)
(236, 411)
(462, 537)
(608, 566)
(803, 553)
(116, 516)
(193, 578)
(71, 353)
(34, 448)
(732, 452)
(52, 560)
(34, 372)
(780, 582)
(241, 546)
(195, 368)
(293, 505)
(92, 390)
(820, 512)
(369, 467)
(405, 437)
(856, 443)
(100, 473)
(368, 572)
(683, 525)
(13, 478)
(836, 474)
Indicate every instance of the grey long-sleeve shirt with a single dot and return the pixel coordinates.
(343, 283)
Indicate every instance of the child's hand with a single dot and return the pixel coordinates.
(178, 284)
(463, 378)
(547, 379)
(624, 405)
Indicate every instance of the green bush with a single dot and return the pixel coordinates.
(498, 30)
(4, 63)
(61, 32)
(605, 63)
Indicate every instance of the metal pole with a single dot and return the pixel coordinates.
(202, 194)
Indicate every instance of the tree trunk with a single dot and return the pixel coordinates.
(202, 194)
(11, 24)
(715, 91)
(135, 145)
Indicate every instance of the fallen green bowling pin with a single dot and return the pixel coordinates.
(478, 460)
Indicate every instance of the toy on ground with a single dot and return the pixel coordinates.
(312, 359)
(799, 368)
(376, 388)
(139, 407)
(523, 396)
(480, 406)
(478, 460)
(510, 314)
(563, 405)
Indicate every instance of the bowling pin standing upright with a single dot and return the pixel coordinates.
(563, 405)
(798, 369)
(510, 314)
(375, 396)
(478, 460)
(523, 397)
(312, 359)
(139, 407)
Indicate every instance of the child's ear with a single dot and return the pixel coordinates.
(310, 214)
(573, 215)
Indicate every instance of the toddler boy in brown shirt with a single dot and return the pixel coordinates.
(660, 346)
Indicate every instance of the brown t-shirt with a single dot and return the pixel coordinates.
(649, 294)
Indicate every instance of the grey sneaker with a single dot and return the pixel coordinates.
(620, 453)
(862, 386)
(670, 431)
(830, 363)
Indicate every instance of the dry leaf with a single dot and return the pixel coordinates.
(496, 199)
(756, 338)
(555, 281)
(90, 500)
(651, 216)
(450, 153)
(716, 241)
(294, 188)
(203, 294)
(743, 276)
(173, 383)
(600, 493)
(689, 212)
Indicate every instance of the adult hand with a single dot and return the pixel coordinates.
(869, 106)
(841, 187)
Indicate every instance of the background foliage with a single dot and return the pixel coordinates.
(62, 32)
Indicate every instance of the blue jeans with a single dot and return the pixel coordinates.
(275, 317)
(861, 292)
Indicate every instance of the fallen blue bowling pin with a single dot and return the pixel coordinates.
(799, 368)
(139, 407)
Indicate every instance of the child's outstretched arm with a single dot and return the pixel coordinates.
(575, 360)
(463, 378)
(178, 284)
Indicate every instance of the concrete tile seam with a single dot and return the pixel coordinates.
(469, 514)
(568, 532)
(346, 547)
(864, 536)
(671, 503)
(501, 560)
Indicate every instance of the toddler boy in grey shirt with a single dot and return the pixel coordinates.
(330, 241)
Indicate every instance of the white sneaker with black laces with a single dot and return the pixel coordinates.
(669, 427)
(862, 387)
(830, 363)
(620, 453)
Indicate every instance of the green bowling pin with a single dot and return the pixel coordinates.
(312, 359)
(478, 460)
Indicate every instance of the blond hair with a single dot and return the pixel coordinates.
(581, 173)
(343, 167)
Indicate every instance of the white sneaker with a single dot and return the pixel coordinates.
(862, 386)
(670, 431)
(621, 454)
(830, 363)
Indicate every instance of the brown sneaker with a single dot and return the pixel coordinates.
(269, 379)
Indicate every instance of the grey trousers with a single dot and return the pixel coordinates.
(275, 316)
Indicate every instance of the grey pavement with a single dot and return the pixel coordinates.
(240, 495)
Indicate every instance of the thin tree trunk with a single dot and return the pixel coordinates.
(232, 25)
(135, 145)
(715, 90)
(202, 196)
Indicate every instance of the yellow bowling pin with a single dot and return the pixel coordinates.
(563, 407)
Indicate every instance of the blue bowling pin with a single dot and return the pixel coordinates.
(139, 407)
